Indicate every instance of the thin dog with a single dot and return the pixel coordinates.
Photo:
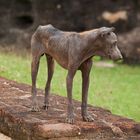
(73, 51)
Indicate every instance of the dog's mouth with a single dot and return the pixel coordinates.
(115, 59)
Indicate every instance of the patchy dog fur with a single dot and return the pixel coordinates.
(73, 51)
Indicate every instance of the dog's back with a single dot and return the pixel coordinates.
(46, 31)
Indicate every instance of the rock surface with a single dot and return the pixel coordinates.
(18, 122)
(3, 137)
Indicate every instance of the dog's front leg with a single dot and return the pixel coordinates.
(69, 82)
(85, 69)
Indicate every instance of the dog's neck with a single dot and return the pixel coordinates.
(94, 47)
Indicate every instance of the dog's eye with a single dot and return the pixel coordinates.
(111, 46)
(115, 43)
(108, 33)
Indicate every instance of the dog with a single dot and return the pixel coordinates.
(73, 51)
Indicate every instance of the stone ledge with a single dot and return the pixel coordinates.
(18, 122)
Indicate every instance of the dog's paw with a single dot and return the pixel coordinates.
(88, 118)
(70, 120)
(35, 108)
(46, 106)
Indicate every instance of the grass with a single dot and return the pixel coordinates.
(117, 88)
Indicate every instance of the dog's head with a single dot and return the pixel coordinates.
(109, 41)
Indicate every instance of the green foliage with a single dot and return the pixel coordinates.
(114, 88)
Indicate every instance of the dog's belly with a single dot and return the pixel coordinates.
(62, 61)
(60, 57)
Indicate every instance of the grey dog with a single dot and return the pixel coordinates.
(73, 51)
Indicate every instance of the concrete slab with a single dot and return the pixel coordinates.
(18, 122)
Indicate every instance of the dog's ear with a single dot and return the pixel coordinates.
(106, 31)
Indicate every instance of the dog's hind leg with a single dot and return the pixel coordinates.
(34, 71)
(36, 54)
(50, 65)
